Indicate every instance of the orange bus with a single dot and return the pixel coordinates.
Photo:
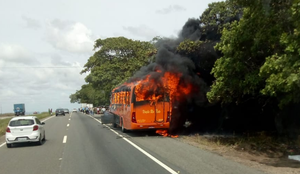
(135, 111)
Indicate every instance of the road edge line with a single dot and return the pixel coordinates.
(2, 144)
(48, 118)
(140, 149)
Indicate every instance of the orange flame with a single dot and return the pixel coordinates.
(165, 133)
(170, 83)
(149, 89)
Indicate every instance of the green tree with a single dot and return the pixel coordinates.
(214, 19)
(115, 60)
(217, 16)
(282, 70)
(87, 94)
(245, 47)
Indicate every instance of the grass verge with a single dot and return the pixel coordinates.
(258, 144)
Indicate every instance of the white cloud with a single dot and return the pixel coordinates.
(170, 9)
(69, 36)
(12, 53)
(142, 31)
(31, 23)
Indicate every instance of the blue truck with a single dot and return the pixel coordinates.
(19, 109)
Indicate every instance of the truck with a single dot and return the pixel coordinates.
(83, 105)
(19, 109)
(89, 105)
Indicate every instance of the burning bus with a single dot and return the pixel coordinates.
(140, 106)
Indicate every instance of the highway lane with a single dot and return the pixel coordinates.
(78, 143)
(186, 158)
(88, 148)
(92, 148)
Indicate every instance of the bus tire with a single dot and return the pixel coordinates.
(114, 122)
(123, 129)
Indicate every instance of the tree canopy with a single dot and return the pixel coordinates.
(246, 46)
(115, 60)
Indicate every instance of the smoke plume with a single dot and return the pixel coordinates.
(167, 60)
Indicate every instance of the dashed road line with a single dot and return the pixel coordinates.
(68, 125)
(65, 139)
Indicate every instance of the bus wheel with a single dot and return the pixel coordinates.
(123, 129)
(114, 125)
(114, 122)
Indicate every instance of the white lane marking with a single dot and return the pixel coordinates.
(2, 144)
(140, 149)
(68, 125)
(47, 118)
(69, 119)
(65, 139)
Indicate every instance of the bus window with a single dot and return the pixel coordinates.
(127, 98)
(162, 97)
(123, 97)
(115, 99)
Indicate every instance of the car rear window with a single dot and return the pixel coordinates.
(21, 122)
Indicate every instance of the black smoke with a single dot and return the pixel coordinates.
(168, 59)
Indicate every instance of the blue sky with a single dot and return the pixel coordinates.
(44, 44)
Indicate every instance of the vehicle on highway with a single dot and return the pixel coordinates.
(74, 110)
(24, 129)
(135, 111)
(19, 109)
(59, 111)
(66, 111)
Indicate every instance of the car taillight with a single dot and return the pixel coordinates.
(8, 130)
(168, 116)
(36, 127)
(133, 118)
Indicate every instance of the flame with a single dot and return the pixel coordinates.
(151, 89)
(165, 133)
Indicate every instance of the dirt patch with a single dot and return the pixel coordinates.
(264, 154)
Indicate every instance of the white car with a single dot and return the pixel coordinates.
(74, 110)
(25, 129)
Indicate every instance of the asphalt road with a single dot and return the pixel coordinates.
(80, 144)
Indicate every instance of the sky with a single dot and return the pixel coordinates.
(45, 44)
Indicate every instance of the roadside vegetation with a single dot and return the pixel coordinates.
(7, 114)
(258, 144)
(4, 122)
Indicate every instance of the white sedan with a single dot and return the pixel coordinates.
(25, 129)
